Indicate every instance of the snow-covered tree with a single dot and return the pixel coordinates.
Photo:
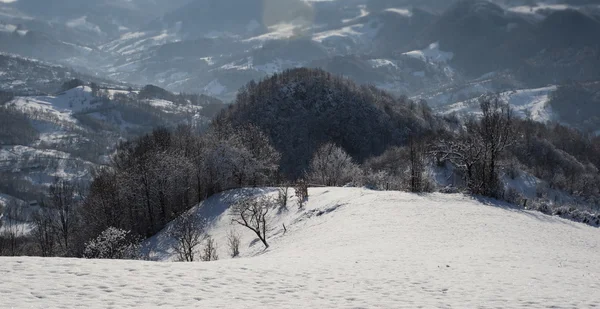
(113, 243)
(332, 166)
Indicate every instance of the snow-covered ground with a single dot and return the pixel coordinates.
(349, 248)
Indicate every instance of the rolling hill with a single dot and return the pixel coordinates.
(348, 247)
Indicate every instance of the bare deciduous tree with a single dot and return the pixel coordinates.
(233, 243)
(189, 232)
(209, 253)
(416, 166)
(496, 132)
(62, 201)
(478, 150)
(283, 196)
(301, 193)
(44, 232)
(13, 229)
(252, 214)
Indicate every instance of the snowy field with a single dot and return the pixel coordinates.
(349, 248)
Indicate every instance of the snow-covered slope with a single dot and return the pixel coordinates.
(525, 103)
(431, 54)
(350, 248)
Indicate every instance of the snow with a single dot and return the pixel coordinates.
(7, 28)
(83, 24)
(276, 32)
(363, 13)
(524, 102)
(113, 92)
(377, 63)
(431, 54)
(403, 12)
(350, 248)
(356, 32)
(534, 9)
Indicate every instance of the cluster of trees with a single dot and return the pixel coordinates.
(15, 127)
(477, 150)
(212, 105)
(302, 109)
(154, 179)
(55, 223)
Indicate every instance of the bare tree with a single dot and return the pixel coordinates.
(62, 201)
(283, 196)
(209, 253)
(466, 154)
(252, 214)
(13, 229)
(233, 243)
(496, 132)
(44, 232)
(301, 193)
(479, 148)
(189, 232)
(417, 165)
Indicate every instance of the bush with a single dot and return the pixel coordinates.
(113, 243)
(513, 196)
(332, 166)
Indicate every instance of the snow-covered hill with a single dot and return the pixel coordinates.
(525, 103)
(349, 248)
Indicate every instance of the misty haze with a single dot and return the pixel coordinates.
(299, 153)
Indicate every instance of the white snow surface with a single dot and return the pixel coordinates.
(349, 248)
(403, 12)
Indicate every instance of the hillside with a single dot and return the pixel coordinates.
(349, 247)
(71, 133)
(325, 108)
(532, 103)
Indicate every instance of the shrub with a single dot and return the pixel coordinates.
(113, 243)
